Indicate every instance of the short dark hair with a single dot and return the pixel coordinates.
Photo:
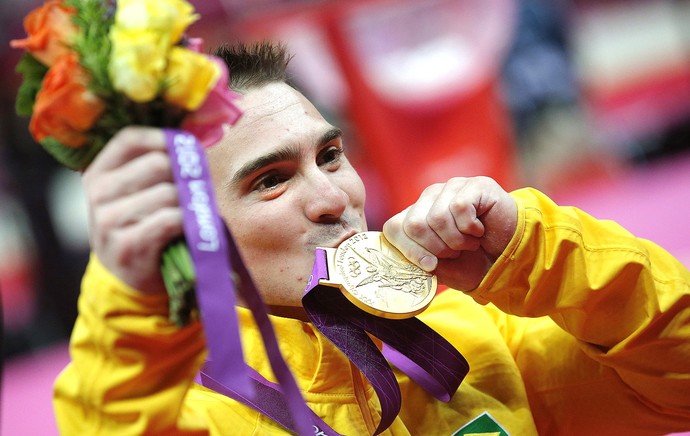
(256, 64)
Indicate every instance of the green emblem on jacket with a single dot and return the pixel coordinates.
(483, 425)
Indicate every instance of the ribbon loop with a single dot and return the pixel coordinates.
(331, 313)
(409, 344)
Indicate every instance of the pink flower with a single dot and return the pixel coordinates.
(218, 110)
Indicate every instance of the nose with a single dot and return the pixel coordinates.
(326, 200)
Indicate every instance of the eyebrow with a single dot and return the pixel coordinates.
(281, 155)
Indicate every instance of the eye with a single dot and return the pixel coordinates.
(269, 181)
(330, 155)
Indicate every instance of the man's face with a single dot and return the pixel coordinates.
(284, 187)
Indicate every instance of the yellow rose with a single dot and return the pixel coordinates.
(170, 16)
(138, 62)
(189, 78)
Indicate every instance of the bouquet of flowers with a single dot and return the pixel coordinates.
(92, 67)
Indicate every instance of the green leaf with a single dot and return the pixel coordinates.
(178, 274)
(92, 44)
(33, 72)
(74, 158)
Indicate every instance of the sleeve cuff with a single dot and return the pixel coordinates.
(105, 293)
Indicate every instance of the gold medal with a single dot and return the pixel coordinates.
(377, 278)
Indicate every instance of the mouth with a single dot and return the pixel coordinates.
(337, 237)
(334, 234)
(347, 236)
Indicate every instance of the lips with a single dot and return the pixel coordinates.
(347, 236)
(332, 236)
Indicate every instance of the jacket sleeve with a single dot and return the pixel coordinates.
(131, 368)
(620, 301)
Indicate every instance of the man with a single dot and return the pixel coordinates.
(587, 332)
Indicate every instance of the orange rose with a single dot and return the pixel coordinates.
(65, 109)
(49, 30)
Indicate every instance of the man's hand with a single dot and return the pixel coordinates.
(133, 206)
(456, 229)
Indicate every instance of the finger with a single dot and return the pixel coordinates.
(453, 218)
(127, 144)
(135, 175)
(138, 206)
(146, 239)
(416, 253)
(425, 218)
(133, 253)
(464, 211)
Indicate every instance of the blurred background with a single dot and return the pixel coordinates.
(588, 101)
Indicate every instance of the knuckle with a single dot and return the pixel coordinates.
(460, 206)
(455, 241)
(159, 196)
(432, 189)
(486, 180)
(463, 242)
(457, 182)
(169, 194)
(437, 220)
(96, 191)
(166, 224)
(414, 227)
(392, 227)
(133, 246)
(159, 162)
(103, 224)
(135, 134)
(170, 222)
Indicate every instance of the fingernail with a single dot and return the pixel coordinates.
(428, 263)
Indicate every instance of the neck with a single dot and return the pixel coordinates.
(296, 312)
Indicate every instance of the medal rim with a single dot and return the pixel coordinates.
(342, 285)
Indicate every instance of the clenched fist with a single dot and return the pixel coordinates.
(456, 229)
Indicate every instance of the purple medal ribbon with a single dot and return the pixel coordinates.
(412, 346)
(409, 344)
(208, 247)
(213, 252)
(272, 399)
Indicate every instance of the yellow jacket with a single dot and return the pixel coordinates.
(581, 329)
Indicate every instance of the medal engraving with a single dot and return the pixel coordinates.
(377, 278)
